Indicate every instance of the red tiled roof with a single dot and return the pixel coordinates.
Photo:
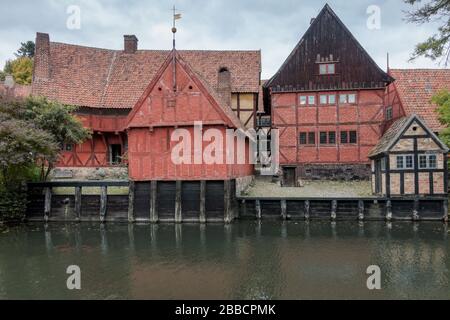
(104, 78)
(416, 88)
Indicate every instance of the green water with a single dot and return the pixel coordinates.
(245, 260)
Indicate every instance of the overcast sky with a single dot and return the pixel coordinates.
(274, 26)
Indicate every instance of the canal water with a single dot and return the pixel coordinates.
(245, 260)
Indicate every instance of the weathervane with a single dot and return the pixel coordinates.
(176, 16)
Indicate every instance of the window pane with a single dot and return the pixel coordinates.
(352, 98)
(344, 137)
(323, 99)
(332, 137)
(331, 69)
(311, 138)
(389, 113)
(302, 137)
(422, 162)
(323, 69)
(68, 147)
(312, 100)
(400, 162)
(409, 162)
(432, 162)
(332, 99)
(343, 98)
(383, 164)
(303, 100)
(353, 138)
(323, 138)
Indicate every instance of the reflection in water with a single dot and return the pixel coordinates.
(245, 260)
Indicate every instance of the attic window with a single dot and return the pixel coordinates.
(327, 68)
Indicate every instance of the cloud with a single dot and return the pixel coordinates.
(274, 26)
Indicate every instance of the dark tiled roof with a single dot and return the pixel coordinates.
(416, 88)
(104, 78)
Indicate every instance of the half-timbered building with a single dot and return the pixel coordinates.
(409, 160)
(106, 84)
(328, 102)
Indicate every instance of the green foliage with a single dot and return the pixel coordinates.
(442, 100)
(21, 69)
(13, 204)
(438, 45)
(26, 49)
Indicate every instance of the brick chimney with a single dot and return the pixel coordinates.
(42, 57)
(224, 85)
(130, 43)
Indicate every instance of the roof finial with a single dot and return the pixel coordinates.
(176, 16)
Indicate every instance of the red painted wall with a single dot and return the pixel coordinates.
(366, 117)
(159, 112)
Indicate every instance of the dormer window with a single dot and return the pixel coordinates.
(327, 68)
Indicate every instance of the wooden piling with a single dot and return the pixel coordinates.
(47, 203)
(258, 209)
(334, 205)
(103, 202)
(131, 201)
(153, 210)
(388, 210)
(360, 210)
(445, 209)
(202, 215)
(178, 216)
(307, 209)
(283, 209)
(415, 213)
(78, 202)
(228, 214)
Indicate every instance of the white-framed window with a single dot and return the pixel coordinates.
(327, 68)
(308, 100)
(347, 98)
(427, 161)
(383, 164)
(327, 99)
(303, 100)
(405, 162)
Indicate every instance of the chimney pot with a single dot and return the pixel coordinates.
(130, 43)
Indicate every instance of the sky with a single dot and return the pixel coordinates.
(272, 26)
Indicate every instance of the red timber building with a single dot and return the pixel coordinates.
(133, 100)
(328, 102)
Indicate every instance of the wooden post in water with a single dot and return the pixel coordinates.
(103, 202)
(178, 216)
(283, 209)
(388, 210)
(415, 213)
(307, 209)
(445, 209)
(360, 210)
(258, 209)
(131, 201)
(228, 214)
(202, 215)
(78, 203)
(47, 203)
(333, 210)
(153, 210)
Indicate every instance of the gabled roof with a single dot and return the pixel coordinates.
(214, 98)
(416, 87)
(103, 78)
(396, 130)
(328, 39)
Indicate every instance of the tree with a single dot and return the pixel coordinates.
(442, 100)
(21, 69)
(26, 49)
(438, 45)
